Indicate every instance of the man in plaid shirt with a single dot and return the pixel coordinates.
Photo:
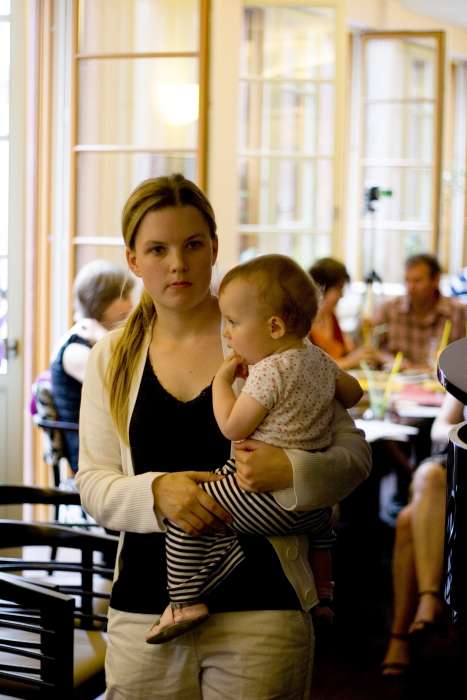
(415, 322)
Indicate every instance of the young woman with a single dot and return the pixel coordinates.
(417, 562)
(332, 276)
(148, 438)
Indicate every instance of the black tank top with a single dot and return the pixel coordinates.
(171, 435)
(66, 392)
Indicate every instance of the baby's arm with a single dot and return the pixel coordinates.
(348, 390)
(236, 417)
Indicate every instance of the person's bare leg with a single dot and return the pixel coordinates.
(404, 591)
(428, 514)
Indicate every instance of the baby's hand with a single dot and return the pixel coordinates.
(233, 366)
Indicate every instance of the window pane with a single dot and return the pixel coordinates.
(138, 25)
(400, 131)
(4, 7)
(114, 254)
(389, 59)
(305, 248)
(165, 92)
(4, 187)
(106, 180)
(290, 111)
(285, 192)
(385, 250)
(411, 190)
(294, 41)
(4, 77)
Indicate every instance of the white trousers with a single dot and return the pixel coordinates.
(257, 655)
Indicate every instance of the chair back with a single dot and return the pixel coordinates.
(51, 627)
(36, 651)
(46, 417)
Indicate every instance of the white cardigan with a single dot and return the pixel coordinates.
(120, 500)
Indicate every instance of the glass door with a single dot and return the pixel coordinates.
(290, 129)
(402, 115)
(140, 109)
(11, 243)
(4, 177)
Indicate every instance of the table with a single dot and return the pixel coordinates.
(385, 430)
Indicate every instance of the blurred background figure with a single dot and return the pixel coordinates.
(102, 301)
(332, 276)
(416, 322)
(417, 563)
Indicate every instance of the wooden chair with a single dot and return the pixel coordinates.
(45, 416)
(18, 494)
(14, 494)
(52, 628)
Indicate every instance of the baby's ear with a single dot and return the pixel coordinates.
(277, 327)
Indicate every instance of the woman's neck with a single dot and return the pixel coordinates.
(323, 317)
(178, 326)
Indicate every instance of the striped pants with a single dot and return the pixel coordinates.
(196, 565)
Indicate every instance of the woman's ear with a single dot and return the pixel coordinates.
(277, 327)
(132, 263)
(215, 248)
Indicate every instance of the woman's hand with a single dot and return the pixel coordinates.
(261, 467)
(363, 353)
(178, 498)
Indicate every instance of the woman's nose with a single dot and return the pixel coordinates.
(177, 260)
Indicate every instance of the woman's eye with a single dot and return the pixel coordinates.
(195, 244)
(158, 249)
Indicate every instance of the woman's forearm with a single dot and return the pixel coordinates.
(321, 479)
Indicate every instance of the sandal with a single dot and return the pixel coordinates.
(395, 669)
(421, 626)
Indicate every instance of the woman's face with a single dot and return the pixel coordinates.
(332, 296)
(116, 312)
(174, 254)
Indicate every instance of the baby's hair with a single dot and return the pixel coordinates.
(283, 287)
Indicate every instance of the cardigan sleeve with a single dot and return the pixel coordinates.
(321, 479)
(115, 499)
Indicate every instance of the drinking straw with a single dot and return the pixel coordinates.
(366, 332)
(396, 365)
(445, 336)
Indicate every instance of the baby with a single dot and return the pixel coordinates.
(268, 305)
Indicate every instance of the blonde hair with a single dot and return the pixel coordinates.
(283, 287)
(151, 195)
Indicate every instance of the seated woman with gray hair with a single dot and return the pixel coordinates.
(102, 300)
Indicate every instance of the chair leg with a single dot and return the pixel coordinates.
(53, 550)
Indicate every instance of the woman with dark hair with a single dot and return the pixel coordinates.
(332, 276)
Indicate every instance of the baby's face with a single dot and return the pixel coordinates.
(245, 323)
